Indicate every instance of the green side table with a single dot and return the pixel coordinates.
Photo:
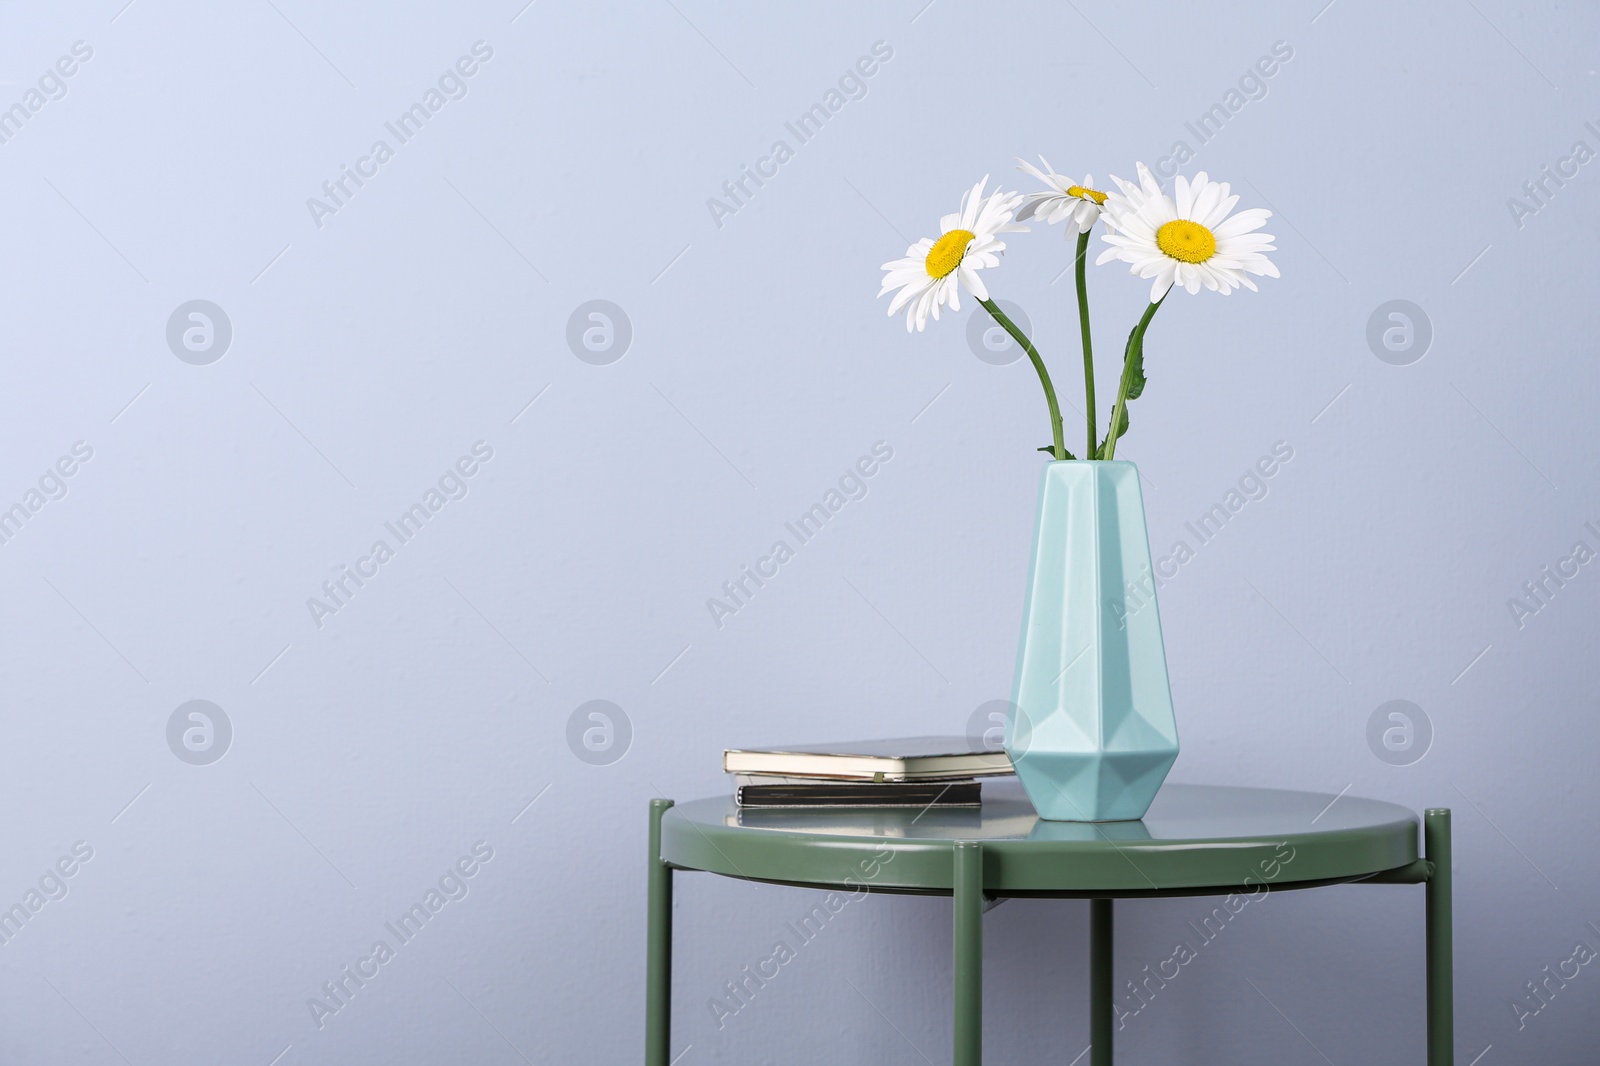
(1195, 840)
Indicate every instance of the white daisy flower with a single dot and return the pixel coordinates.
(1064, 200)
(934, 271)
(1187, 239)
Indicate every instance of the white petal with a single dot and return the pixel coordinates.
(1147, 181)
(1031, 170)
(974, 283)
(1243, 222)
(1205, 202)
(903, 297)
(1217, 214)
(971, 203)
(1160, 287)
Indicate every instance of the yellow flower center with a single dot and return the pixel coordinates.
(1186, 241)
(1087, 194)
(946, 253)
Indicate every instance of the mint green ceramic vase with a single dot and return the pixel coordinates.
(1091, 730)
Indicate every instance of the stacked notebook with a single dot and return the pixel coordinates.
(906, 772)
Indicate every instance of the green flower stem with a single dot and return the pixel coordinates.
(1135, 348)
(1059, 441)
(1088, 349)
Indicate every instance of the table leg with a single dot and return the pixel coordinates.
(1441, 981)
(968, 896)
(1101, 1012)
(658, 964)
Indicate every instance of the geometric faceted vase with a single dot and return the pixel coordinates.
(1091, 731)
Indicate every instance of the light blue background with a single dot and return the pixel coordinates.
(370, 353)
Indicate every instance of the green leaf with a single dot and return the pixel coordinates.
(1132, 383)
(1134, 353)
(1050, 449)
(1133, 366)
(1120, 429)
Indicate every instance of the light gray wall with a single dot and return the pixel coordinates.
(374, 345)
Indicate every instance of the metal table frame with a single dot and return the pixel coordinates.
(967, 889)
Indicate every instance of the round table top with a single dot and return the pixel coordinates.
(1195, 838)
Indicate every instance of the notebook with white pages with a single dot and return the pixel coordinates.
(932, 758)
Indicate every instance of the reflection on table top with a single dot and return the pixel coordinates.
(1193, 836)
